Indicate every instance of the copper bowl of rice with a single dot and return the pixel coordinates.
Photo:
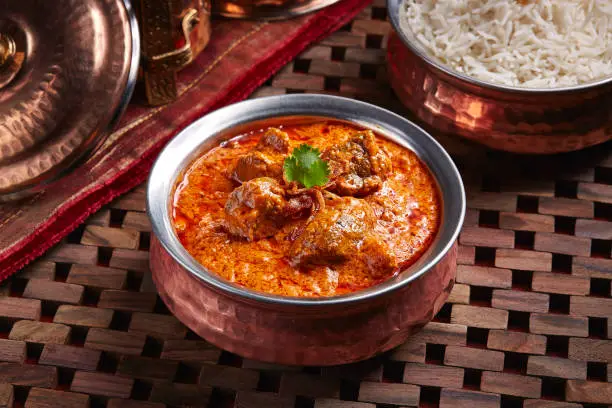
(529, 76)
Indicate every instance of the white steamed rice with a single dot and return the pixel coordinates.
(525, 43)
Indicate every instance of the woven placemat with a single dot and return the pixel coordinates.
(528, 324)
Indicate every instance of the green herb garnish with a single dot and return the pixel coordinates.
(306, 167)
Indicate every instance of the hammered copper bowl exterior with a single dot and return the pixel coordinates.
(515, 120)
(326, 335)
(293, 330)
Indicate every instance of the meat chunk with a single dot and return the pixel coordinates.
(275, 139)
(260, 207)
(342, 231)
(358, 166)
(255, 209)
(335, 233)
(266, 159)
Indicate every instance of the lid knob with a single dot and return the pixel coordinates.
(10, 63)
(7, 49)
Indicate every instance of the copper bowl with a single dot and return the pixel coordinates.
(292, 330)
(521, 120)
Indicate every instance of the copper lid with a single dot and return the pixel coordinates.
(67, 71)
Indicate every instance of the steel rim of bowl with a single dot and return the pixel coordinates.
(189, 144)
(394, 7)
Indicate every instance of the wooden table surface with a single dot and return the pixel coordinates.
(528, 324)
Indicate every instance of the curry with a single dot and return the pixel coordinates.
(366, 209)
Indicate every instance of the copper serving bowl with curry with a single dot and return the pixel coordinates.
(304, 229)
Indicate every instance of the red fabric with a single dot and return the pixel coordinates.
(241, 56)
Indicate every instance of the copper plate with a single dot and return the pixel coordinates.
(267, 9)
(67, 79)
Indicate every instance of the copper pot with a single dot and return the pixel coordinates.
(291, 330)
(521, 120)
(173, 33)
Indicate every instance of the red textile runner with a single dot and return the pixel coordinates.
(240, 57)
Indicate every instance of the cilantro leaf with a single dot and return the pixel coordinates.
(317, 175)
(293, 171)
(306, 167)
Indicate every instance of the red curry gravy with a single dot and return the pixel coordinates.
(406, 207)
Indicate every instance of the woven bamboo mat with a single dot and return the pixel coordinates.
(528, 324)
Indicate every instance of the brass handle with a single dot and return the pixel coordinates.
(177, 59)
(7, 49)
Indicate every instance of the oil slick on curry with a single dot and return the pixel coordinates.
(317, 208)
